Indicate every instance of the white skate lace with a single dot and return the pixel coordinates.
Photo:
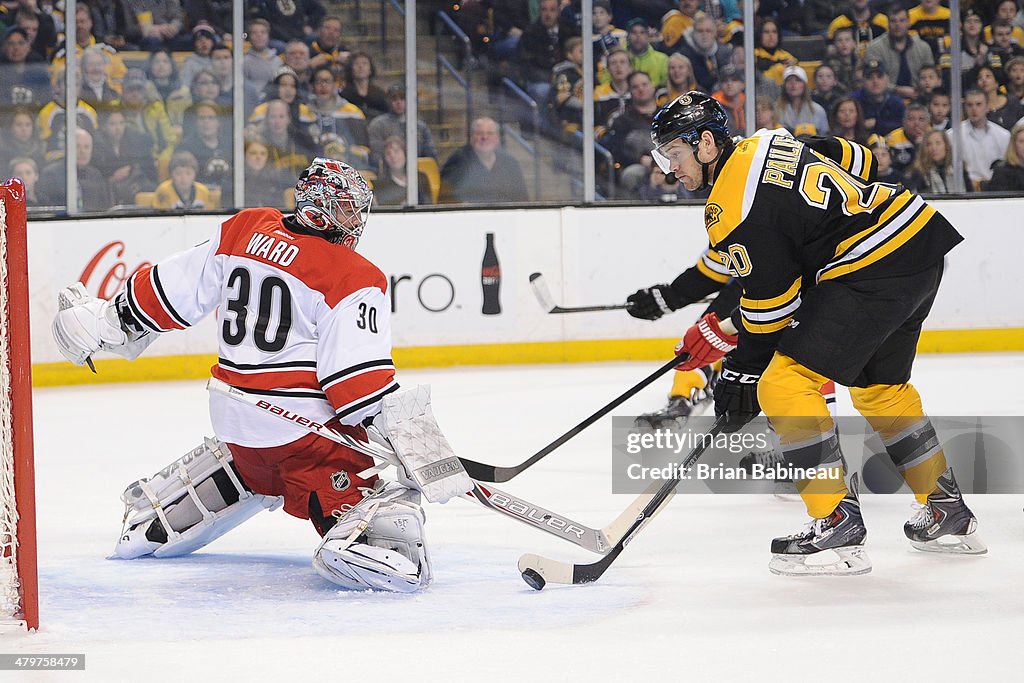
(346, 508)
(921, 517)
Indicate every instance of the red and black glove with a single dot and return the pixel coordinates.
(705, 342)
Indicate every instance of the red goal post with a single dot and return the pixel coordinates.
(19, 596)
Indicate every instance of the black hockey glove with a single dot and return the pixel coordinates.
(653, 302)
(736, 398)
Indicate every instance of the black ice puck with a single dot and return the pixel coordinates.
(533, 579)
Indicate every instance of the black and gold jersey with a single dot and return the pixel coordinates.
(787, 216)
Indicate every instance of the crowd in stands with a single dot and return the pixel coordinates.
(156, 91)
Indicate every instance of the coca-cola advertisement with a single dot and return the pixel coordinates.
(490, 279)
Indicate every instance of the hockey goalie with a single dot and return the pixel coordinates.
(304, 321)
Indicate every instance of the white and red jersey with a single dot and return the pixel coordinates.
(299, 319)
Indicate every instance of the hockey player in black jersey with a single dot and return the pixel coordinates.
(838, 275)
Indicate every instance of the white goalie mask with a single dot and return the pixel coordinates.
(331, 197)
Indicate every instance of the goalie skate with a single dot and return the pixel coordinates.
(945, 524)
(833, 546)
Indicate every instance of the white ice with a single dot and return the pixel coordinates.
(690, 599)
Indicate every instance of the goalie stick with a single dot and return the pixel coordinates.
(543, 294)
(491, 473)
(594, 540)
(537, 570)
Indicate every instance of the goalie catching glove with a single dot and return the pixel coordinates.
(705, 343)
(84, 325)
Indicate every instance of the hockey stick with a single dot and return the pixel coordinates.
(491, 473)
(537, 570)
(543, 294)
(594, 540)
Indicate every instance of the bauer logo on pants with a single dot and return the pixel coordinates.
(340, 481)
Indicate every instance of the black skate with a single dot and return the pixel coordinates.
(768, 459)
(830, 546)
(680, 407)
(945, 524)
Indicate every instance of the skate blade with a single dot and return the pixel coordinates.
(953, 544)
(851, 561)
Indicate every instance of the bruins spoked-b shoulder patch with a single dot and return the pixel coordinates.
(712, 213)
(340, 481)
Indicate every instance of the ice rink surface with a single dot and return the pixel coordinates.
(690, 599)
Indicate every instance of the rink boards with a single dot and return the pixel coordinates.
(433, 260)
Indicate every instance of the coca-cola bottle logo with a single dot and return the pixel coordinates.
(106, 283)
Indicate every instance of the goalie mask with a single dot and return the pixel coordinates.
(331, 197)
(685, 118)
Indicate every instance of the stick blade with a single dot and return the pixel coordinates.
(551, 571)
(541, 291)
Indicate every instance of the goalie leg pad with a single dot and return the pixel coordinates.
(84, 325)
(427, 460)
(188, 504)
(378, 545)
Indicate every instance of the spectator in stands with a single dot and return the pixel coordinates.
(261, 60)
(982, 141)
(296, 58)
(222, 66)
(769, 57)
(182, 191)
(928, 79)
(938, 110)
(887, 173)
(629, 135)
(680, 79)
(285, 87)
(162, 72)
(1006, 10)
(22, 83)
(39, 29)
(1002, 49)
(95, 87)
(340, 126)
(28, 170)
(205, 88)
(1002, 110)
(841, 55)
(93, 190)
(160, 20)
(706, 54)
(883, 109)
(901, 54)
(796, 110)
(144, 110)
(848, 121)
(798, 17)
(642, 56)
(932, 171)
(216, 13)
(203, 41)
(606, 38)
(733, 98)
(390, 187)
(612, 98)
(51, 119)
(566, 101)
(264, 184)
(510, 19)
(291, 146)
(827, 89)
(929, 21)
(208, 140)
(326, 49)
(481, 171)
(1008, 172)
(863, 22)
(676, 22)
(392, 124)
(1014, 70)
(123, 155)
(84, 39)
(764, 115)
(360, 89)
(974, 51)
(904, 142)
(19, 138)
(540, 48)
(292, 20)
(114, 24)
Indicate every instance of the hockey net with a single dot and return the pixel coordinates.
(18, 589)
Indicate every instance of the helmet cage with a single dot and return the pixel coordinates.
(331, 197)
